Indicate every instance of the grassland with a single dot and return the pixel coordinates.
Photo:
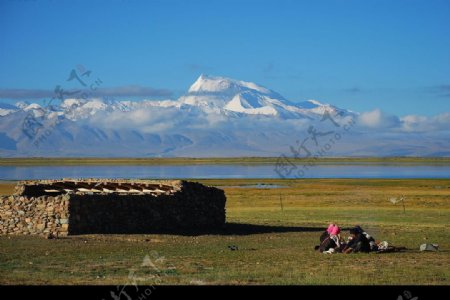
(38, 161)
(274, 231)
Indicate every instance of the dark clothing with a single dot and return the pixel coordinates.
(326, 242)
(372, 244)
(359, 243)
(360, 230)
(323, 236)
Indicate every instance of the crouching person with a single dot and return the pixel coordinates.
(358, 242)
(330, 240)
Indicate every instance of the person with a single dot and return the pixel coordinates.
(330, 239)
(358, 242)
(335, 235)
(372, 242)
(326, 233)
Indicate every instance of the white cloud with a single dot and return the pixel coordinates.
(415, 123)
(381, 121)
(156, 119)
(378, 119)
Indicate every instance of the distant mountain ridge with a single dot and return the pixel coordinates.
(217, 116)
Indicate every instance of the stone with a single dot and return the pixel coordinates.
(40, 226)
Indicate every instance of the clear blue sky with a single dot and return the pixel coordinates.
(360, 55)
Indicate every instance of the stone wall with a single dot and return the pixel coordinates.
(34, 215)
(110, 206)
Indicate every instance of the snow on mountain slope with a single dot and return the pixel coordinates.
(249, 104)
(4, 112)
(317, 107)
(6, 109)
(224, 94)
(35, 109)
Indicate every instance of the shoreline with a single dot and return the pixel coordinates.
(57, 161)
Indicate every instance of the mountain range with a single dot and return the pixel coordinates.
(216, 117)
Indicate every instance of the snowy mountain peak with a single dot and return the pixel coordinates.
(315, 102)
(211, 84)
(6, 109)
(216, 84)
(224, 94)
(32, 107)
(70, 102)
(22, 104)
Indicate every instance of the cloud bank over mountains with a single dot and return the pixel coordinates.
(217, 116)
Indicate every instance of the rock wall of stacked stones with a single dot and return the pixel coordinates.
(194, 206)
(34, 215)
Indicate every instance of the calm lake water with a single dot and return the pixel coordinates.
(223, 171)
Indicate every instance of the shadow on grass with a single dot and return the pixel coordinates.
(248, 229)
(226, 229)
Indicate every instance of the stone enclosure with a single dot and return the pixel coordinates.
(66, 207)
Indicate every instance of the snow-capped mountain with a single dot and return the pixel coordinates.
(6, 109)
(229, 95)
(208, 93)
(217, 116)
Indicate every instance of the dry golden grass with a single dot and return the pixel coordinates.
(6, 188)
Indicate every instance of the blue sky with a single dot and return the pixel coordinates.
(359, 55)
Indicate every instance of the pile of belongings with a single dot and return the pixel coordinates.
(358, 241)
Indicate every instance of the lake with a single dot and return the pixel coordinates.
(223, 171)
